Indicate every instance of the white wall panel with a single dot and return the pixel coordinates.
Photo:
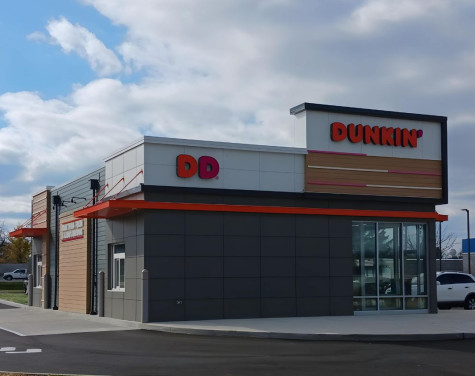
(319, 136)
(247, 167)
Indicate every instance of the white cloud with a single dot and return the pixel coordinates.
(77, 39)
(38, 36)
(377, 13)
(15, 204)
(230, 71)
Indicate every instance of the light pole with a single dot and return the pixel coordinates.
(468, 234)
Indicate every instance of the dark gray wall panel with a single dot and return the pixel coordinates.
(242, 288)
(340, 247)
(341, 286)
(165, 267)
(203, 288)
(164, 222)
(166, 310)
(277, 225)
(241, 224)
(278, 307)
(204, 267)
(242, 246)
(277, 287)
(339, 227)
(317, 247)
(312, 267)
(164, 245)
(242, 308)
(204, 309)
(341, 267)
(277, 266)
(203, 245)
(202, 223)
(319, 306)
(278, 246)
(311, 226)
(341, 306)
(167, 288)
(242, 266)
(313, 286)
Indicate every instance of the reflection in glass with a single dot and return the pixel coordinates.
(389, 266)
(364, 263)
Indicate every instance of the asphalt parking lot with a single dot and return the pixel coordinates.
(139, 352)
(34, 340)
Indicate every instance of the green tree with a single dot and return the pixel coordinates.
(16, 251)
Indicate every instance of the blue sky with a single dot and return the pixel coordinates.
(81, 78)
(26, 65)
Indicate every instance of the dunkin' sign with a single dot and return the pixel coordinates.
(375, 135)
(187, 166)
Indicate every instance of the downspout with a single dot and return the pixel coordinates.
(57, 205)
(94, 186)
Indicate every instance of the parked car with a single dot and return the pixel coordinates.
(16, 274)
(455, 289)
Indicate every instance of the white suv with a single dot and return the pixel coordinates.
(455, 289)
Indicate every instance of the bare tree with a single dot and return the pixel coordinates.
(445, 242)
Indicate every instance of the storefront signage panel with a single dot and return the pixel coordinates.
(385, 136)
(72, 230)
(371, 135)
(374, 153)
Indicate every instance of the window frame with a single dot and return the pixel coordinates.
(406, 298)
(117, 267)
(38, 276)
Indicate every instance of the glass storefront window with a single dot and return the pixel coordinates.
(389, 266)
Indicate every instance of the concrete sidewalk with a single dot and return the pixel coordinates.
(450, 324)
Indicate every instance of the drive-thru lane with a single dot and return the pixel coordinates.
(138, 352)
(45, 341)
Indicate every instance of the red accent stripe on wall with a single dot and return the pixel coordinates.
(115, 208)
(337, 183)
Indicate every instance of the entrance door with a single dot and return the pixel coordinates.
(389, 266)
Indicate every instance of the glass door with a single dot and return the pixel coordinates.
(389, 266)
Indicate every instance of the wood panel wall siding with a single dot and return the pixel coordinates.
(40, 209)
(379, 176)
(74, 270)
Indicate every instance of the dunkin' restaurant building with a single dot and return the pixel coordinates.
(172, 229)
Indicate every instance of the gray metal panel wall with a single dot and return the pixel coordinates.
(79, 187)
(206, 265)
(125, 305)
(234, 265)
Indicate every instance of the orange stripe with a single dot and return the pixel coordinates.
(121, 206)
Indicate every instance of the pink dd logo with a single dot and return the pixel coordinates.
(187, 166)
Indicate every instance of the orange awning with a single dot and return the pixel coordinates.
(114, 208)
(28, 232)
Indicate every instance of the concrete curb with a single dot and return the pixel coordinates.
(258, 334)
(310, 336)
